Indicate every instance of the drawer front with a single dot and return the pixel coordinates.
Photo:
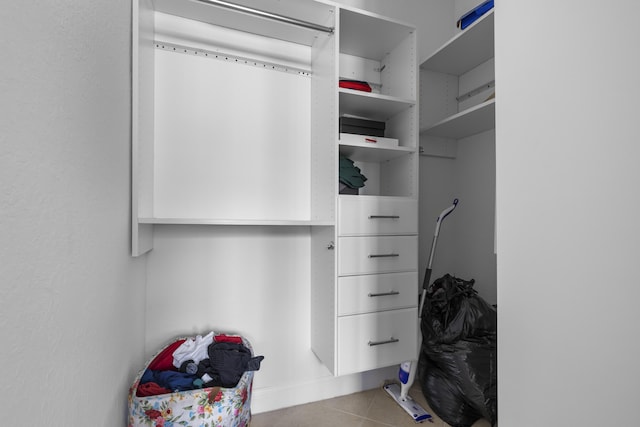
(377, 215)
(376, 292)
(376, 340)
(379, 254)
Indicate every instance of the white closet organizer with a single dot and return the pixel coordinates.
(235, 122)
(457, 82)
(364, 270)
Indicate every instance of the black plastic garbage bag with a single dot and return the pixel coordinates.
(458, 359)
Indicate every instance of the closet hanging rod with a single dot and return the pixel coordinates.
(267, 15)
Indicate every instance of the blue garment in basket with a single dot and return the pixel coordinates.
(171, 380)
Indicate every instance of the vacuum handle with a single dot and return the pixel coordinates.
(427, 274)
(427, 278)
(441, 218)
(443, 215)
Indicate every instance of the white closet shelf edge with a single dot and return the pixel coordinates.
(225, 221)
(465, 123)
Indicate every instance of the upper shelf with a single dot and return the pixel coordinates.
(469, 122)
(308, 11)
(368, 35)
(468, 49)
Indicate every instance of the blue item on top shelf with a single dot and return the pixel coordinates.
(472, 16)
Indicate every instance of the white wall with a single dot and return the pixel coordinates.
(72, 314)
(567, 182)
(465, 246)
(473, 229)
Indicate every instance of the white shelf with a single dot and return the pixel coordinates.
(220, 221)
(373, 106)
(469, 122)
(468, 49)
(366, 153)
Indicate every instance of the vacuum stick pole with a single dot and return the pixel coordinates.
(427, 274)
(408, 369)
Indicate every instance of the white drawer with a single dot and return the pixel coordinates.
(379, 254)
(376, 292)
(376, 340)
(359, 215)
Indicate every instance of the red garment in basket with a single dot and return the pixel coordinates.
(164, 360)
(151, 389)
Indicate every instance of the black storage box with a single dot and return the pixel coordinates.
(361, 126)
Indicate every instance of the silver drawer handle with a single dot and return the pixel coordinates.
(384, 294)
(384, 216)
(389, 341)
(384, 255)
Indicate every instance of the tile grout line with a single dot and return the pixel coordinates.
(364, 418)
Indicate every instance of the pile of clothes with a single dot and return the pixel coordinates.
(200, 362)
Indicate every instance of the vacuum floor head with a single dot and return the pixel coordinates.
(416, 411)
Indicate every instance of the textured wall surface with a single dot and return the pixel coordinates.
(72, 298)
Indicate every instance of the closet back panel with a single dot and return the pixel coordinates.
(238, 134)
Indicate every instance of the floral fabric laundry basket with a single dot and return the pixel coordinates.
(208, 406)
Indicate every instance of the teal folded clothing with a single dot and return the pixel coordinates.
(349, 173)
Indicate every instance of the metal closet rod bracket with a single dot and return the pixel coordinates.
(267, 15)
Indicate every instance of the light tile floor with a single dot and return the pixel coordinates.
(371, 408)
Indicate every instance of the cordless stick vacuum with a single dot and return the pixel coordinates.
(407, 373)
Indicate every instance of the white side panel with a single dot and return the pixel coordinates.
(399, 73)
(324, 129)
(438, 93)
(323, 296)
(142, 94)
(232, 141)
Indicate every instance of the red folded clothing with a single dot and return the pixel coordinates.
(355, 84)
